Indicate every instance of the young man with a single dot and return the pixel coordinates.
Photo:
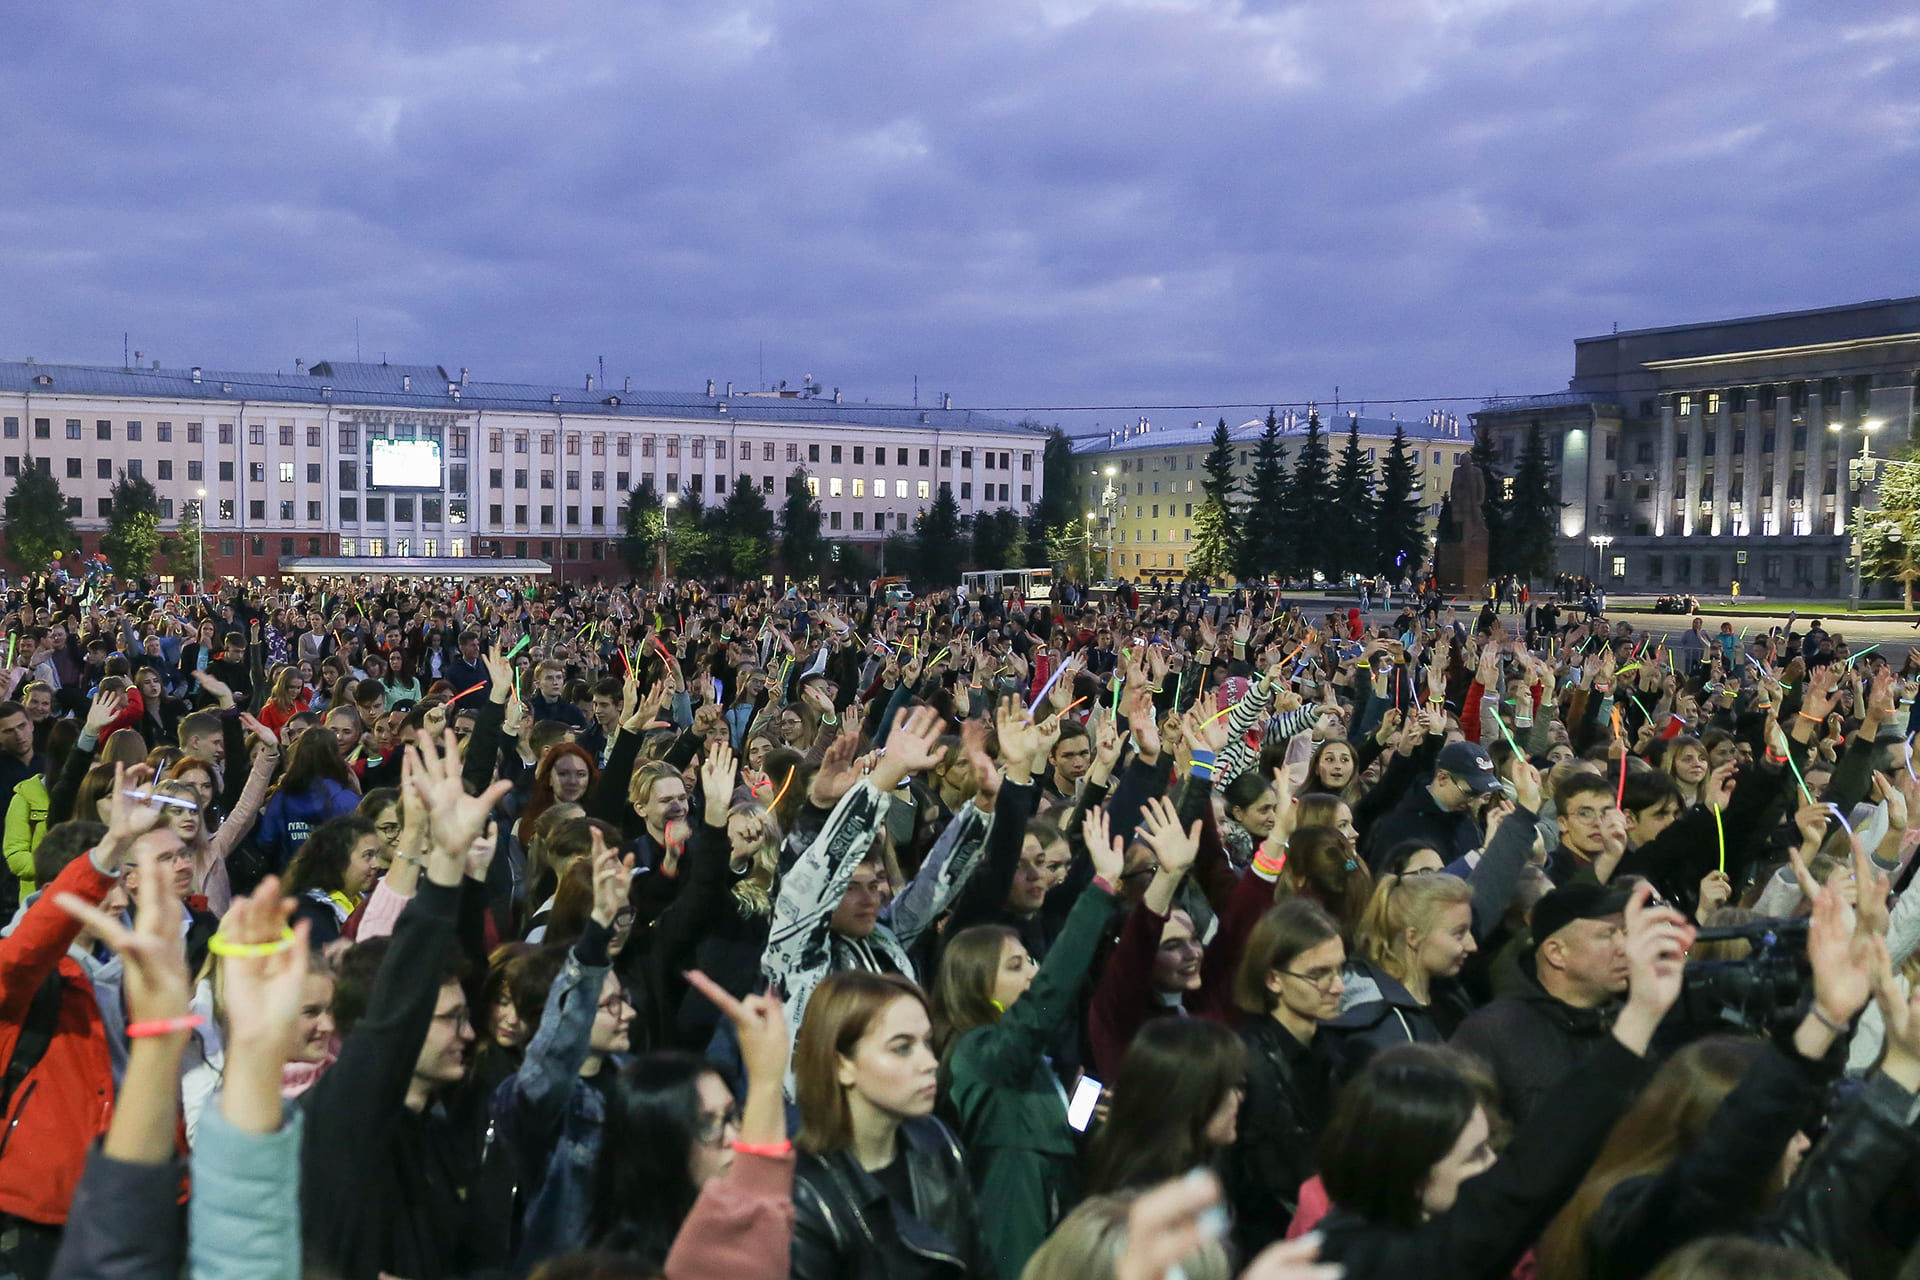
(549, 695)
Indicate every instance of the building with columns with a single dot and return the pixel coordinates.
(1694, 456)
(284, 464)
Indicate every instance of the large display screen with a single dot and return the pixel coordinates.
(403, 464)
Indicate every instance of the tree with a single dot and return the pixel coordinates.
(645, 529)
(1352, 515)
(996, 535)
(38, 528)
(133, 526)
(1056, 505)
(1216, 534)
(1533, 513)
(184, 552)
(936, 532)
(1890, 535)
(749, 532)
(1308, 497)
(802, 550)
(1400, 539)
(1263, 549)
(1493, 509)
(690, 541)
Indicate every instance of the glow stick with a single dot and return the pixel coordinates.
(520, 648)
(791, 770)
(1805, 794)
(1720, 831)
(475, 689)
(1047, 688)
(1071, 705)
(1834, 809)
(1863, 653)
(1503, 729)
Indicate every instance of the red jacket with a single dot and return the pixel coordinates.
(66, 1101)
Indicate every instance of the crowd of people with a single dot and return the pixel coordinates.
(395, 928)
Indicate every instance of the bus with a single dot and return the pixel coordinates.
(1027, 584)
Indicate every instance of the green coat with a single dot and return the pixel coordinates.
(26, 823)
(1013, 1110)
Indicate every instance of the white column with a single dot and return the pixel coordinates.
(1721, 424)
(1782, 461)
(1846, 448)
(1815, 489)
(1751, 497)
(1663, 487)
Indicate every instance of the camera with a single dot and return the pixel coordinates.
(1758, 994)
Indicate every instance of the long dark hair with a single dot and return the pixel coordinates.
(1393, 1123)
(645, 1184)
(321, 862)
(1176, 1074)
(316, 755)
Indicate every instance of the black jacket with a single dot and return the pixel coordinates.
(845, 1228)
(1289, 1095)
(1501, 1212)
(1417, 817)
(1531, 1040)
(1392, 1018)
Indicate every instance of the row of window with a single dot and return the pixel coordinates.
(1799, 394)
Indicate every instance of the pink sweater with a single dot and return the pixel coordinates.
(741, 1226)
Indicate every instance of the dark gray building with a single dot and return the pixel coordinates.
(1693, 456)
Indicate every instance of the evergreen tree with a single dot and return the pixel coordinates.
(1056, 505)
(1263, 549)
(1216, 535)
(645, 529)
(38, 528)
(1890, 534)
(133, 527)
(749, 532)
(802, 549)
(1500, 559)
(1533, 514)
(689, 533)
(937, 541)
(995, 536)
(1354, 511)
(185, 551)
(1400, 542)
(1308, 497)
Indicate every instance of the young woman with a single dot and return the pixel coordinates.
(877, 1169)
(1412, 942)
(1290, 981)
(1319, 809)
(1406, 1157)
(565, 775)
(1253, 804)
(1323, 868)
(289, 697)
(333, 871)
(1176, 1104)
(1334, 770)
(1685, 762)
(317, 786)
(999, 1018)
(734, 935)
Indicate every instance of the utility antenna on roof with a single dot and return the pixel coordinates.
(356, 339)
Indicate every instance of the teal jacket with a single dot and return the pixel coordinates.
(1012, 1109)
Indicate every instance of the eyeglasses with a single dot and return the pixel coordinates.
(713, 1129)
(615, 1002)
(1323, 979)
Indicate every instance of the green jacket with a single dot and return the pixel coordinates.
(26, 823)
(1012, 1109)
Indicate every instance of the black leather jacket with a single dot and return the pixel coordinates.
(1289, 1097)
(845, 1228)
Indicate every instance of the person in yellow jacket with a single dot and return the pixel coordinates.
(27, 808)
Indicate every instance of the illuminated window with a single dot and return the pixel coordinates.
(899, 488)
(813, 485)
(833, 487)
(859, 487)
(924, 489)
(376, 547)
(346, 546)
(429, 547)
(457, 548)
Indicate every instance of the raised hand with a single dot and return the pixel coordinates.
(480, 852)
(499, 670)
(760, 1026)
(716, 780)
(130, 816)
(912, 747)
(1657, 941)
(262, 991)
(973, 741)
(1842, 960)
(106, 707)
(836, 774)
(158, 986)
(1175, 847)
(612, 881)
(458, 819)
(1106, 850)
(1141, 721)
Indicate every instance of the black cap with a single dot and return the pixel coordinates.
(1470, 765)
(1569, 903)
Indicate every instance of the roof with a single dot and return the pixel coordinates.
(1333, 427)
(1863, 309)
(428, 387)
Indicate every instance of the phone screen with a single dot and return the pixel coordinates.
(1085, 1095)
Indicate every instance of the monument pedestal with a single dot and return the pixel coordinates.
(1461, 567)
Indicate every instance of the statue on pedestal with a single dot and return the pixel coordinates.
(1460, 561)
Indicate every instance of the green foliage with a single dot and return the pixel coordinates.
(133, 527)
(1532, 515)
(802, 550)
(1352, 515)
(183, 552)
(38, 529)
(936, 547)
(1303, 526)
(1056, 481)
(1263, 548)
(644, 530)
(691, 538)
(996, 539)
(748, 529)
(1890, 535)
(1216, 532)
(1400, 540)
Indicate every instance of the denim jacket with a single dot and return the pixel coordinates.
(549, 1116)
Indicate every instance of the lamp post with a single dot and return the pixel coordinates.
(200, 541)
(1600, 543)
(671, 501)
(1107, 499)
(1860, 475)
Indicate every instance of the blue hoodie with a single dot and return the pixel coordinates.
(289, 819)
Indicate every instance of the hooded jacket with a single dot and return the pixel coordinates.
(290, 817)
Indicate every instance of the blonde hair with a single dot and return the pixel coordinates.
(1401, 903)
(1089, 1241)
(754, 891)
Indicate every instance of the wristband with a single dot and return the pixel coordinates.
(1839, 1029)
(782, 1148)
(1101, 883)
(165, 1026)
(220, 946)
(1816, 719)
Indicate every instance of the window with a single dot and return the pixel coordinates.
(1026, 493)
(833, 485)
(1713, 402)
(1026, 462)
(1683, 406)
(835, 456)
(620, 480)
(573, 480)
(286, 441)
(546, 443)
(226, 472)
(457, 548)
(599, 446)
(257, 509)
(673, 446)
(456, 511)
(966, 488)
(134, 467)
(1800, 438)
(257, 433)
(766, 484)
(403, 509)
(1612, 444)
(286, 511)
(673, 482)
(813, 485)
(13, 428)
(573, 515)
(987, 461)
(226, 510)
(13, 464)
(133, 431)
(793, 453)
(73, 468)
(926, 457)
(813, 453)
(73, 428)
(377, 509)
(457, 477)
(346, 546)
(946, 458)
(257, 472)
(766, 451)
(286, 473)
(313, 436)
(1680, 445)
(573, 446)
(496, 514)
(546, 515)
(313, 510)
(229, 546)
(519, 477)
(496, 478)
(457, 443)
(196, 470)
(599, 482)
(699, 446)
(599, 516)
(859, 519)
(922, 489)
(102, 429)
(376, 546)
(833, 520)
(546, 479)
(349, 439)
(519, 442)
(166, 508)
(646, 446)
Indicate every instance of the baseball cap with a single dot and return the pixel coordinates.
(1569, 903)
(1471, 765)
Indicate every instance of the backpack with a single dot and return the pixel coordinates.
(36, 1036)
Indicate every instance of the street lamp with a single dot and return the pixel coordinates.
(200, 543)
(1860, 474)
(666, 531)
(1600, 543)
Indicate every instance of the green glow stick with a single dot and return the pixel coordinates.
(1806, 794)
(520, 648)
(1503, 729)
(1721, 831)
(1117, 682)
(1863, 653)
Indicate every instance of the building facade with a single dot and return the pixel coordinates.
(1138, 488)
(1696, 456)
(281, 462)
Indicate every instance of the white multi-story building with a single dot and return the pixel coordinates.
(283, 463)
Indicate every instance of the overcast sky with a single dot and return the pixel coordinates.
(1062, 202)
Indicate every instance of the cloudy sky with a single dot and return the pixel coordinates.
(1024, 202)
